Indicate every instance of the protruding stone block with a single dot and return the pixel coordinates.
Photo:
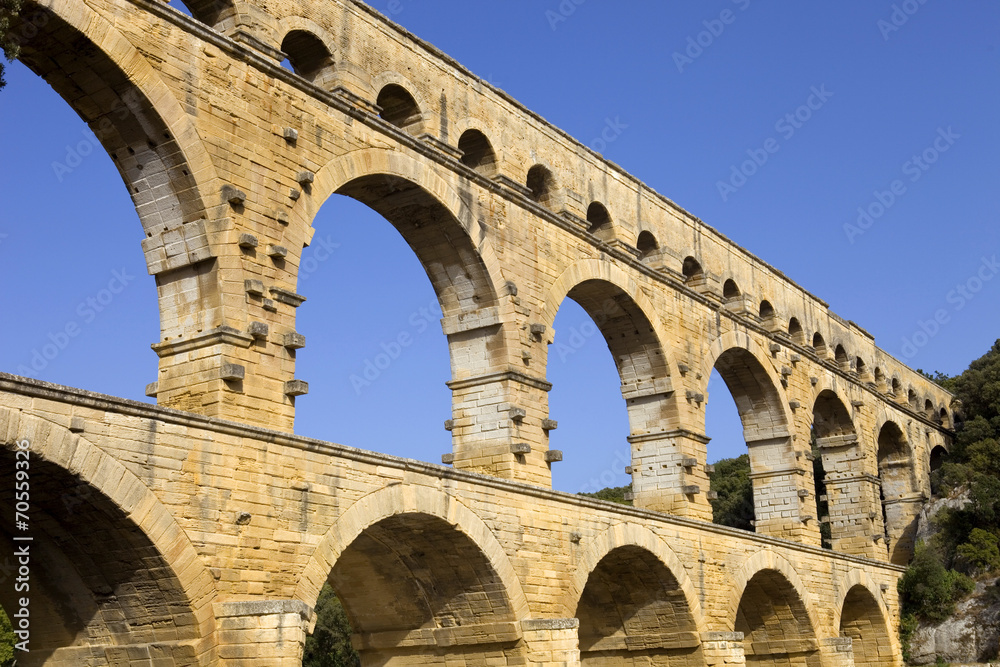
(232, 372)
(248, 241)
(277, 251)
(233, 195)
(305, 178)
(549, 424)
(296, 388)
(449, 424)
(293, 340)
(517, 414)
(448, 458)
(151, 389)
(520, 448)
(258, 330)
(553, 455)
(77, 425)
(255, 287)
(291, 134)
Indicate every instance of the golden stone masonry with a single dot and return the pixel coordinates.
(201, 530)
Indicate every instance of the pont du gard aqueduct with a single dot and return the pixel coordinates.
(200, 530)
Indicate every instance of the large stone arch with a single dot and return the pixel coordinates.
(775, 465)
(397, 500)
(842, 477)
(861, 614)
(112, 549)
(390, 165)
(607, 293)
(900, 495)
(634, 600)
(638, 344)
(630, 535)
(767, 593)
(167, 168)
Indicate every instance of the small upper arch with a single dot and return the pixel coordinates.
(766, 311)
(309, 56)
(541, 182)
(477, 152)
(646, 244)
(730, 290)
(795, 331)
(819, 344)
(840, 356)
(599, 221)
(691, 269)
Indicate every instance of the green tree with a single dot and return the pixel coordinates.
(733, 504)
(981, 551)
(330, 643)
(7, 641)
(614, 494)
(9, 9)
(929, 590)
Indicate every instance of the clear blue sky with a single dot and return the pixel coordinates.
(686, 123)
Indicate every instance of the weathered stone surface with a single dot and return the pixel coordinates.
(218, 145)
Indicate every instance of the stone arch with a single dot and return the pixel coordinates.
(600, 222)
(150, 138)
(213, 13)
(385, 79)
(692, 269)
(774, 610)
(901, 502)
(646, 244)
(544, 186)
(400, 500)
(389, 168)
(766, 418)
(631, 535)
(741, 350)
(312, 53)
(477, 152)
(128, 557)
(862, 615)
(836, 472)
(634, 601)
(636, 341)
(463, 125)
(607, 293)
(296, 22)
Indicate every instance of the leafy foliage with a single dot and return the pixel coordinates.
(981, 551)
(929, 590)
(968, 540)
(613, 494)
(9, 9)
(7, 641)
(330, 643)
(733, 506)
